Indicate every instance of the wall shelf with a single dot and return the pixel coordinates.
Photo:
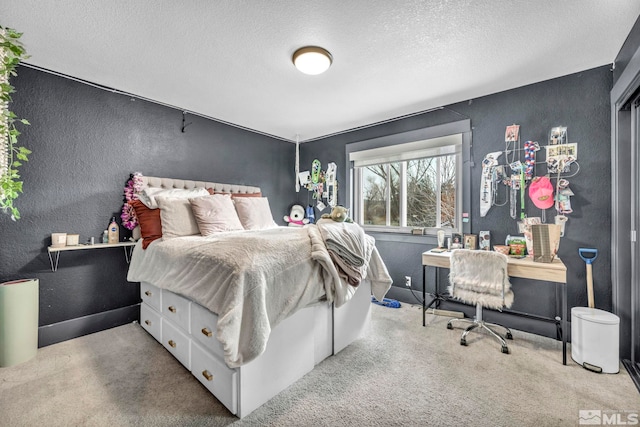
(54, 252)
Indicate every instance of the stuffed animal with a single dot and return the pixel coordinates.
(338, 214)
(296, 217)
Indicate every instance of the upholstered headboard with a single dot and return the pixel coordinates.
(155, 182)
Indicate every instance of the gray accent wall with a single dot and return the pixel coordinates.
(85, 142)
(581, 103)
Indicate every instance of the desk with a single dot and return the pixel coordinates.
(525, 268)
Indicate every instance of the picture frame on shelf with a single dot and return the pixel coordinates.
(470, 241)
(485, 240)
(456, 241)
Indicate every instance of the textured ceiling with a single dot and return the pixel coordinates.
(231, 60)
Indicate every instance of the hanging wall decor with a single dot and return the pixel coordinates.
(561, 156)
(489, 177)
(530, 148)
(512, 134)
(558, 135)
(297, 165)
(322, 185)
(518, 173)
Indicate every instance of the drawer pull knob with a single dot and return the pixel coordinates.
(207, 375)
(147, 322)
(172, 309)
(147, 293)
(207, 332)
(172, 343)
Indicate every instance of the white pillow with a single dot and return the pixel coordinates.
(148, 195)
(254, 213)
(215, 214)
(176, 217)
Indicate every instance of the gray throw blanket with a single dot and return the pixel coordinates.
(349, 247)
(347, 240)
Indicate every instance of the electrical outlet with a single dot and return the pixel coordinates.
(407, 281)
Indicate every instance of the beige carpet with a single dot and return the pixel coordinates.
(400, 374)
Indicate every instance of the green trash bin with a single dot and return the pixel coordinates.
(18, 321)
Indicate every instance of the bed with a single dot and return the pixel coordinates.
(249, 310)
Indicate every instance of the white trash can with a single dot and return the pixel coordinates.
(18, 321)
(595, 339)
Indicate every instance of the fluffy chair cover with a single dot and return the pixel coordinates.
(480, 277)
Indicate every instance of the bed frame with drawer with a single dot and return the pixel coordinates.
(295, 346)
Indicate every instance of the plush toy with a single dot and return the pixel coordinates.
(296, 217)
(338, 214)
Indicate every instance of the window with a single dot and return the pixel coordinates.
(397, 185)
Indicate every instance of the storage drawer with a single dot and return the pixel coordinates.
(203, 329)
(217, 377)
(151, 321)
(176, 308)
(151, 295)
(177, 342)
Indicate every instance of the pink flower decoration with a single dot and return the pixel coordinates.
(131, 190)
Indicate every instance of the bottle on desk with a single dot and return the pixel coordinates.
(113, 231)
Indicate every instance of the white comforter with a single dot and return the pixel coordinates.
(251, 279)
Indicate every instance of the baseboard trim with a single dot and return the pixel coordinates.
(545, 328)
(405, 295)
(74, 328)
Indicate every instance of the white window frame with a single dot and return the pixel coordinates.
(427, 142)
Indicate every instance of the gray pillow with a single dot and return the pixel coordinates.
(177, 217)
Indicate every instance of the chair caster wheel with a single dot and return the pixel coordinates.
(449, 326)
(509, 336)
(505, 349)
(463, 341)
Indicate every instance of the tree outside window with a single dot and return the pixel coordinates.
(430, 193)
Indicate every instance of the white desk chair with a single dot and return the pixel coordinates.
(480, 278)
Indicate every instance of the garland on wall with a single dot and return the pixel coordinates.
(11, 155)
(131, 190)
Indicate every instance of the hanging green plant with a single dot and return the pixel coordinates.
(11, 155)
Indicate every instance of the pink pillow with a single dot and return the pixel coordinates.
(254, 213)
(215, 213)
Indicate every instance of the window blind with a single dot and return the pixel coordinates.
(450, 144)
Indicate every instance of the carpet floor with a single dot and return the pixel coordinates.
(399, 374)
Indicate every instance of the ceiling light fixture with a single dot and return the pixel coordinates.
(312, 60)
